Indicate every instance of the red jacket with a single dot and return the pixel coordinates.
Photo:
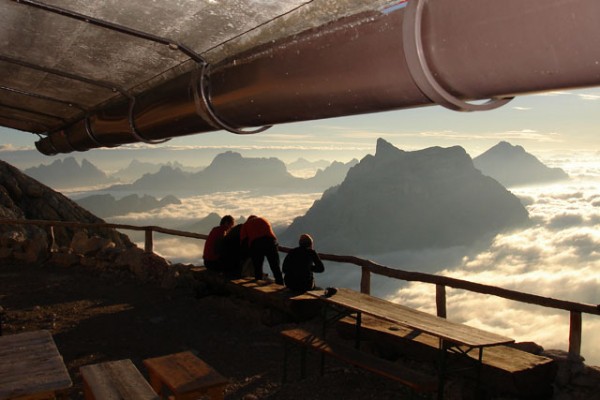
(256, 228)
(212, 243)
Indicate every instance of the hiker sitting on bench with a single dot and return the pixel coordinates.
(299, 265)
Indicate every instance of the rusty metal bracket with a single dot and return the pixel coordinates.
(420, 70)
(204, 108)
(134, 131)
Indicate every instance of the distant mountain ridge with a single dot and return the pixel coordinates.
(68, 173)
(105, 205)
(512, 166)
(136, 169)
(396, 200)
(230, 171)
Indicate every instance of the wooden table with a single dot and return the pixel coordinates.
(31, 367)
(453, 337)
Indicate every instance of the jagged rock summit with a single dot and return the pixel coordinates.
(68, 173)
(513, 166)
(397, 200)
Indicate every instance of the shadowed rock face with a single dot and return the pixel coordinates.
(397, 200)
(512, 166)
(22, 197)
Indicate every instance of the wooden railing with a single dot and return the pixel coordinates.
(369, 267)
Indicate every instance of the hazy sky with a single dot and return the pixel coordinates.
(553, 122)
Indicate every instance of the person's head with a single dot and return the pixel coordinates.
(227, 221)
(305, 241)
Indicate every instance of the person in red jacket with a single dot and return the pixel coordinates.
(258, 235)
(214, 243)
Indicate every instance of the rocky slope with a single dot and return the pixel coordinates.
(398, 200)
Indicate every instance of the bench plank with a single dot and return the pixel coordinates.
(300, 306)
(504, 367)
(417, 381)
(116, 380)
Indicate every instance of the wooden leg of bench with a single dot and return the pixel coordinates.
(303, 362)
(286, 350)
(87, 392)
(155, 382)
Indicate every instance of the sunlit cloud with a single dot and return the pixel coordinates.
(11, 147)
(589, 96)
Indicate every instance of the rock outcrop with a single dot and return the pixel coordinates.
(513, 166)
(397, 200)
(101, 250)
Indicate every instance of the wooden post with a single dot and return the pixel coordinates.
(148, 246)
(53, 245)
(440, 300)
(365, 281)
(575, 335)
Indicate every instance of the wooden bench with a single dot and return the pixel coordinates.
(504, 367)
(298, 307)
(115, 380)
(186, 376)
(417, 381)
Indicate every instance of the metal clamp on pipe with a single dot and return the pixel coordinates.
(134, 131)
(419, 68)
(204, 108)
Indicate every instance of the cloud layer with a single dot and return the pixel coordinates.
(558, 256)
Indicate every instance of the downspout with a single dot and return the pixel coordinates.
(468, 50)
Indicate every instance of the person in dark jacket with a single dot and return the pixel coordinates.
(299, 265)
(213, 246)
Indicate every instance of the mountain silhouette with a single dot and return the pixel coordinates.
(396, 200)
(136, 169)
(105, 205)
(303, 163)
(68, 173)
(230, 171)
(513, 166)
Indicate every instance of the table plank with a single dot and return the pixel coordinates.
(30, 363)
(456, 333)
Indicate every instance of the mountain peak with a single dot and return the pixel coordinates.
(511, 165)
(385, 149)
(431, 198)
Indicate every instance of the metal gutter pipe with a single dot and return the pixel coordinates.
(415, 53)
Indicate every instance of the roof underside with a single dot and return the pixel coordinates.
(55, 69)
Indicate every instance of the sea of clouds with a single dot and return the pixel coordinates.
(557, 256)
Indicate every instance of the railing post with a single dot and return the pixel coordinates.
(440, 300)
(148, 245)
(575, 335)
(53, 245)
(365, 281)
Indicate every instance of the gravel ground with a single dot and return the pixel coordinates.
(95, 319)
